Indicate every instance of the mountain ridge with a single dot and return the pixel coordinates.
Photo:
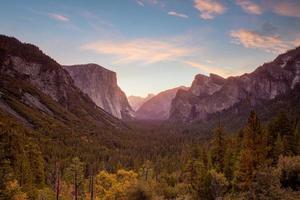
(26, 67)
(264, 83)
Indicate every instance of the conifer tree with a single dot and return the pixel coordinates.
(252, 155)
(36, 164)
(196, 174)
(75, 175)
(282, 126)
(218, 149)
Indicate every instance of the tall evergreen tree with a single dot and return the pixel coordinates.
(283, 127)
(196, 174)
(36, 164)
(218, 149)
(75, 175)
(252, 155)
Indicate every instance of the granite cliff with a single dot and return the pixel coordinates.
(209, 95)
(101, 86)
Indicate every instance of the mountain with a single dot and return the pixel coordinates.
(158, 107)
(101, 86)
(209, 95)
(36, 90)
(136, 102)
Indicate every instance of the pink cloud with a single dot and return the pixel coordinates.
(145, 51)
(250, 7)
(252, 39)
(207, 68)
(209, 9)
(287, 8)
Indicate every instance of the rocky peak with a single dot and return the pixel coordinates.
(204, 85)
(209, 95)
(100, 84)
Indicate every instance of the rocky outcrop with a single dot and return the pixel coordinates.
(26, 63)
(158, 107)
(136, 102)
(209, 95)
(101, 86)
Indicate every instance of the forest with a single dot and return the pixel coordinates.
(259, 161)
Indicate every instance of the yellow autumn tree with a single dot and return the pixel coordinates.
(110, 186)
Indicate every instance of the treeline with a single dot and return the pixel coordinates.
(257, 163)
(261, 161)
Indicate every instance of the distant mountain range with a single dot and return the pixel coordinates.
(158, 107)
(34, 89)
(136, 102)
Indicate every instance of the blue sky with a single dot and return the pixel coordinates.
(155, 45)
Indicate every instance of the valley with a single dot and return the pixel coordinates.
(69, 132)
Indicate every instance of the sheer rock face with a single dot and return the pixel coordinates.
(213, 94)
(158, 107)
(101, 86)
(136, 102)
(26, 62)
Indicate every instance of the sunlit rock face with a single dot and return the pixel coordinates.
(158, 107)
(101, 86)
(41, 75)
(212, 94)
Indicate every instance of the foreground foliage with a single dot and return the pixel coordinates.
(261, 161)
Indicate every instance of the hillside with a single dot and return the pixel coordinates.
(209, 95)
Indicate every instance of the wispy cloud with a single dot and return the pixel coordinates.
(95, 18)
(209, 9)
(150, 2)
(222, 71)
(145, 51)
(287, 8)
(250, 7)
(173, 13)
(59, 17)
(140, 3)
(252, 39)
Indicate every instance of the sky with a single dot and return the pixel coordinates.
(154, 45)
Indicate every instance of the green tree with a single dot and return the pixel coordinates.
(218, 184)
(36, 164)
(218, 149)
(253, 153)
(196, 175)
(75, 175)
(281, 126)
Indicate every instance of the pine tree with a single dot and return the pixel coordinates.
(282, 126)
(278, 149)
(229, 159)
(75, 175)
(6, 175)
(196, 174)
(218, 149)
(252, 155)
(36, 164)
